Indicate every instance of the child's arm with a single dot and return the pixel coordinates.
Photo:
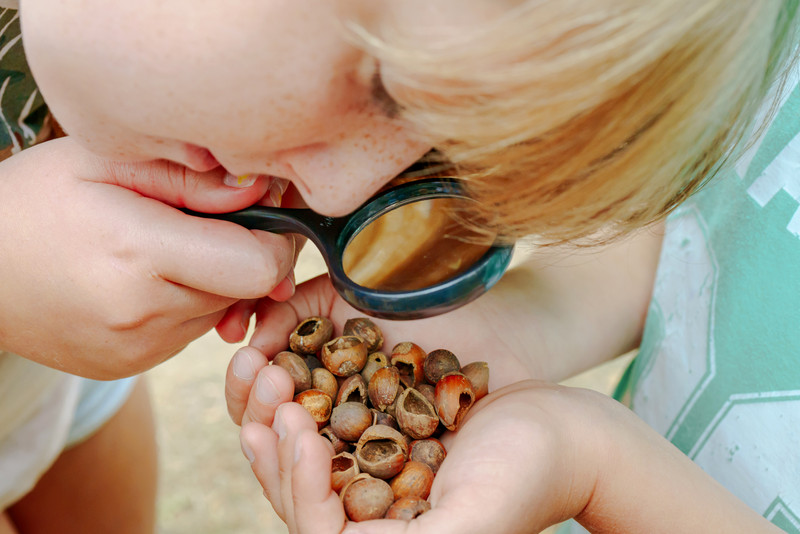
(529, 456)
(102, 281)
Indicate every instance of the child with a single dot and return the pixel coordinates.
(715, 373)
(565, 117)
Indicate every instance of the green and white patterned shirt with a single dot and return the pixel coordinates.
(718, 371)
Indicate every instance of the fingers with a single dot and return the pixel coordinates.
(290, 420)
(214, 256)
(272, 388)
(254, 389)
(260, 447)
(177, 185)
(317, 508)
(234, 324)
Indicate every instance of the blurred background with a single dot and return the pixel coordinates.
(206, 486)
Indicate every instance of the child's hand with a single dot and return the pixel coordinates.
(102, 281)
(528, 456)
(518, 464)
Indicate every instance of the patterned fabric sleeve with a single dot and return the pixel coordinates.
(24, 117)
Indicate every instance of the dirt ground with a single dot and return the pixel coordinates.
(206, 486)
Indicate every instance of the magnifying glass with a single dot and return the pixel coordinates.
(401, 255)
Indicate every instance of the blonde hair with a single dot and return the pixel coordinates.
(579, 118)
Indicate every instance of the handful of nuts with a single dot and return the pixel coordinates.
(381, 412)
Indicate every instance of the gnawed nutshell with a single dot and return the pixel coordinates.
(382, 414)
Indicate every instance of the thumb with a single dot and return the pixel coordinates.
(214, 191)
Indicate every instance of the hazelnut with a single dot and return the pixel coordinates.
(366, 330)
(409, 358)
(343, 468)
(344, 356)
(375, 361)
(339, 445)
(353, 389)
(381, 451)
(415, 415)
(453, 398)
(439, 363)
(415, 480)
(317, 403)
(383, 418)
(427, 391)
(350, 419)
(310, 335)
(296, 368)
(365, 497)
(428, 451)
(383, 387)
(323, 380)
(478, 375)
(407, 508)
(312, 362)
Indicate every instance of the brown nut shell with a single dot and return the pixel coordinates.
(478, 375)
(323, 380)
(365, 497)
(415, 480)
(375, 361)
(353, 389)
(350, 419)
(310, 335)
(317, 403)
(366, 330)
(407, 508)
(439, 363)
(416, 416)
(297, 369)
(384, 387)
(339, 445)
(409, 358)
(383, 418)
(344, 468)
(427, 391)
(344, 355)
(454, 397)
(428, 451)
(381, 451)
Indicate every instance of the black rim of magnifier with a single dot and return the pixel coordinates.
(331, 235)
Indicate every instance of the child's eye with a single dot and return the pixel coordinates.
(381, 97)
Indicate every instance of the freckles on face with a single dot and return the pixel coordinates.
(336, 178)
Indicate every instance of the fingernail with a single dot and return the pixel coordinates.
(245, 180)
(277, 188)
(243, 367)
(266, 392)
(247, 450)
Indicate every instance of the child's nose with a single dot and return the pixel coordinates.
(336, 178)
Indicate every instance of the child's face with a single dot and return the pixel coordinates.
(260, 86)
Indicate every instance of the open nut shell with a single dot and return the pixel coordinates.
(409, 358)
(344, 355)
(381, 451)
(415, 415)
(454, 397)
(310, 335)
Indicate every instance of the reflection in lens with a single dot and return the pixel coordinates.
(412, 247)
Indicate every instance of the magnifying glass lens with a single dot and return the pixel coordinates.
(414, 246)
